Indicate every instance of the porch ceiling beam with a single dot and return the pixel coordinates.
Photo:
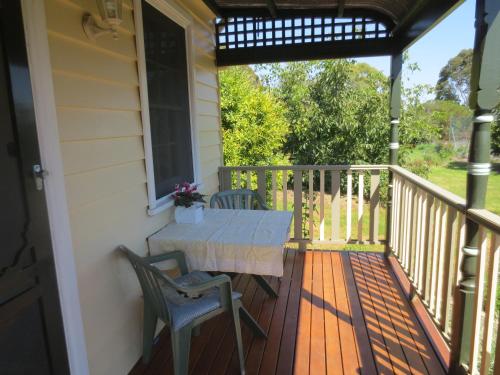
(213, 7)
(271, 5)
(425, 15)
(311, 51)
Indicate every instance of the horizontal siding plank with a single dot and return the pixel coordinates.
(207, 108)
(210, 167)
(210, 184)
(209, 138)
(88, 187)
(76, 58)
(210, 152)
(207, 61)
(79, 92)
(85, 124)
(207, 77)
(207, 93)
(203, 40)
(67, 20)
(207, 123)
(89, 155)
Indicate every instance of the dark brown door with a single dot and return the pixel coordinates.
(31, 331)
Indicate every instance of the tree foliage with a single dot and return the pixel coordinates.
(329, 105)
(254, 126)
(445, 113)
(454, 78)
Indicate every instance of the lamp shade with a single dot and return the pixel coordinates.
(111, 11)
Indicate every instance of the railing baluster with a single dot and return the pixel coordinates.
(349, 207)
(493, 259)
(361, 187)
(478, 300)
(322, 205)
(273, 186)
(335, 176)
(261, 184)
(396, 204)
(406, 224)
(238, 179)
(461, 244)
(451, 228)
(249, 179)
(311, 204)
(418, 239)
(422, 244)
(413, 232)
(429, 239)
(375, 206)
(441, 260)
(401, 219)
(297, 204)
(435, 258)
(285, 189)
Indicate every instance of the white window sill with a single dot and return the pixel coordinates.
(166, 202)
(161, 207)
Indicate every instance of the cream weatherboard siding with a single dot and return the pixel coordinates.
(98, 108)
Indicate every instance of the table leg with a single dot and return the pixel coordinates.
(265, 285)
(251, 323)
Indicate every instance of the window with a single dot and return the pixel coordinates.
(165, 96)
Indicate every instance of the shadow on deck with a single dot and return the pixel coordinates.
(337, 312)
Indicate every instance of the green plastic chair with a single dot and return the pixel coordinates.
(183, 303)
(240, 199)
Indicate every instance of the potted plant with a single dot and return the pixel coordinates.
(188, 204)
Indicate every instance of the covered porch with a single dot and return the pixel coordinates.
(426, 302)
(337, 312)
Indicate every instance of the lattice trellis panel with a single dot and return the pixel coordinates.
(249, 32)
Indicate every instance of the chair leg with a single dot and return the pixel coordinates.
(251, 323)
(181, 344)
(237, 328)
(150, 320)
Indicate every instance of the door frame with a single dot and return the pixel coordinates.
(37, 46)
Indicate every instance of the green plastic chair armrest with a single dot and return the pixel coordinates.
(176, 255)
(216, 281)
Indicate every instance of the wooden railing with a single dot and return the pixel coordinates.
(293, 188)
(428, 233)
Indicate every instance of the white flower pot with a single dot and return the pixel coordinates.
(189, 215)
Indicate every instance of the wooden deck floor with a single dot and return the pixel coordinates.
(337, 313)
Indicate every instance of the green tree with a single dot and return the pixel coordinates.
(254, 126)
(337, 111)
(445, 113)
(454, 78)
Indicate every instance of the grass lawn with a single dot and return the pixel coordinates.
(453, 177)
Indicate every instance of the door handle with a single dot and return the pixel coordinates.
(39, 175)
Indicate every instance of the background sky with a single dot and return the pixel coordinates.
(433, 51)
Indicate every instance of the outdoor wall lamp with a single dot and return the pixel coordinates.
(111, 14)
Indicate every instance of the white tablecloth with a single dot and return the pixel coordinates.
(242, 241)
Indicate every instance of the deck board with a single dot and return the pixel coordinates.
(336, 313)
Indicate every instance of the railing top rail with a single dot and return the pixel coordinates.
(485, 218)
(367, 167)
(444, 195)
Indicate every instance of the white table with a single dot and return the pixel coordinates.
(239, 241)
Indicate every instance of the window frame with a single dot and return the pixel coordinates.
(180, 17)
